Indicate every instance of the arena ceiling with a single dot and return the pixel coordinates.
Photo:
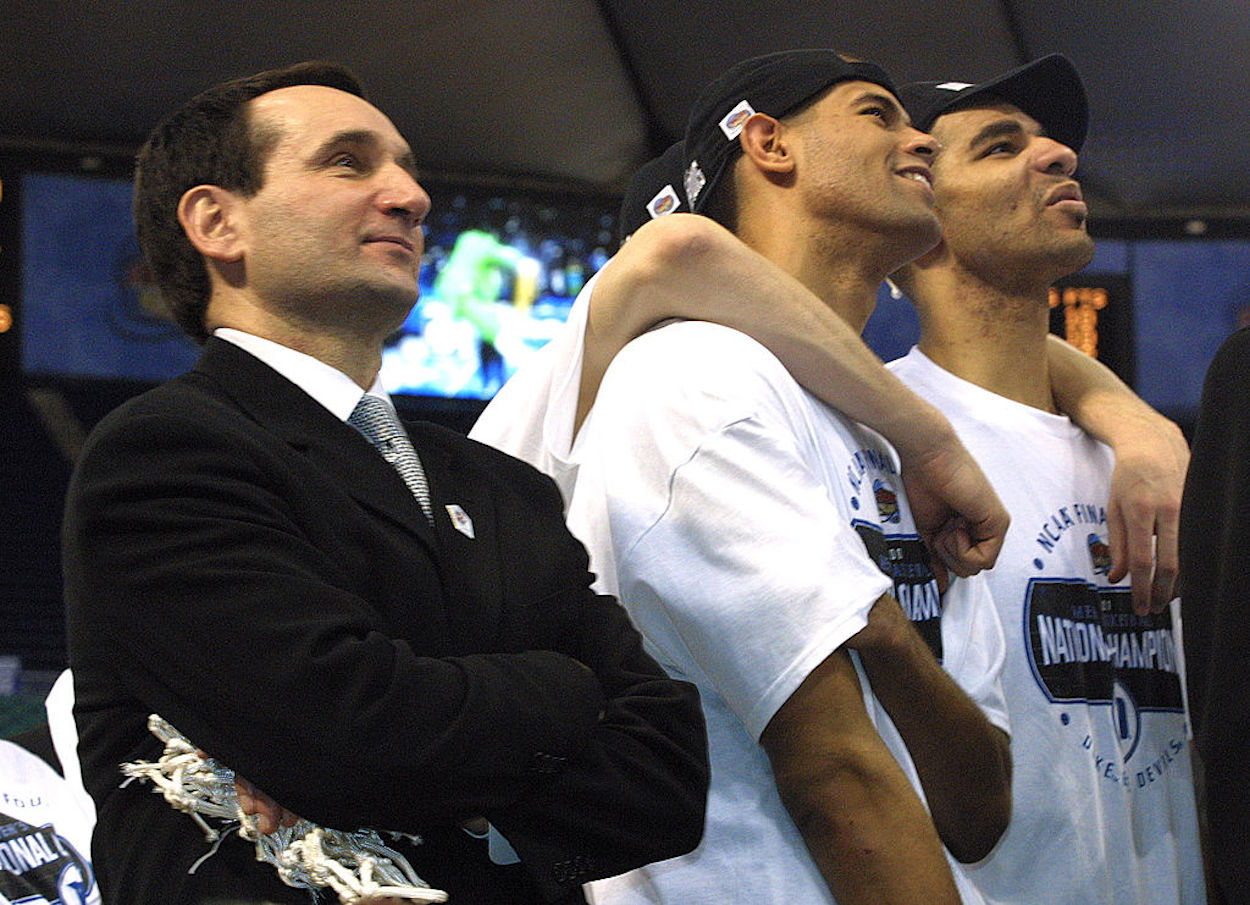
(579, 92)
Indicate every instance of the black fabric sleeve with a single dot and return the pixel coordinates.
(1215, 604)
(195, 583)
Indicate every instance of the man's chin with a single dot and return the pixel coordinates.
(921, 235)
(383, 301)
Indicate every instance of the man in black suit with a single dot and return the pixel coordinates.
(241, 560)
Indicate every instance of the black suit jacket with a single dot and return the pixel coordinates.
(1215, 605)
(243, 563)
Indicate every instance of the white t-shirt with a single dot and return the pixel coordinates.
(1103, 787)
(725, 506)
(532, 415)
(45, 824)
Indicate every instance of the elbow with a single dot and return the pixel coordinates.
(981, 834)
(674, 243)
(686, 796)
(675, 237)
(830, 796)
(669, 808)
(684, 830)
(983, 821)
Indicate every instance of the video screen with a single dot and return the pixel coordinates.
(87, 306)
(502, 266)
(499, 275)
(500, 271)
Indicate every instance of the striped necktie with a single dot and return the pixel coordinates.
(381, 427)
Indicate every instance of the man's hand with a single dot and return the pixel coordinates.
(1143, 515)
(1151, 458)
(269, 814)
(957, 512)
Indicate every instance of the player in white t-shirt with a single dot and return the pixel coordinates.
(694, 268)
(46, 817)
(1103, 791)
(752, 529)
(706, 485)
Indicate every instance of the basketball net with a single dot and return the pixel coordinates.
(358, 865)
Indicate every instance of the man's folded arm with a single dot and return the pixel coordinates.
(228, 617)
(962, 759)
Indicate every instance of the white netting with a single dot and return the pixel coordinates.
(358, 865)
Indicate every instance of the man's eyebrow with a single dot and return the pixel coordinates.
(879, 97)
(1000, 128)
(346, 137)
(364, 137)
(885, 99)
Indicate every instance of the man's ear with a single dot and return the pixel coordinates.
(765, 141)
(210, 217)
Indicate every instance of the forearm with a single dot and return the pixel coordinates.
(1093, 396)
(866, 829)
(690, 267)
(1151, 459)
(645, 764)
(964, 761)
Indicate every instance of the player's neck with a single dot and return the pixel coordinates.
(992, 338)
(846, 281)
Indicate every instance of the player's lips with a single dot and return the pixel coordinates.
(916, 174)
(1068, 196)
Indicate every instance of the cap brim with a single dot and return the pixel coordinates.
(1048, 89)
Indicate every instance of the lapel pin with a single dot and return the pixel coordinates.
(460, 520)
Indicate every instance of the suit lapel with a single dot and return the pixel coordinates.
(329, 444)
(466, 523)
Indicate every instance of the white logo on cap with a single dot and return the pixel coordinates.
(955, 86)
(694, 181)
(666, 201)
(731, 125)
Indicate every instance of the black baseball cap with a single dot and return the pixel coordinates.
(655, 190)
(1048, 89)
(776, 84)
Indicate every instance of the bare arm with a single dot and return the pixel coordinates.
(865, 827)
(964, 761)
(688, 266)
(1151, 458)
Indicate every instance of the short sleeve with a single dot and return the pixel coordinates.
(730, 554)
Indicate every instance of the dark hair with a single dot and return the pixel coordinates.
(721, 203)
(721, 200)
(208, 141)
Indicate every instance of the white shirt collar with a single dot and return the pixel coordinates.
(329, 386)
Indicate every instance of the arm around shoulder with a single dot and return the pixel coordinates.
(1151, 460)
